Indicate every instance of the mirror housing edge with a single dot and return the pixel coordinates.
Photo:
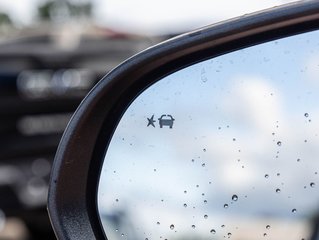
(74, 178)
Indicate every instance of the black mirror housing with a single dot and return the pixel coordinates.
(72, 199)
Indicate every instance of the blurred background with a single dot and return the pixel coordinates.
(51, 54)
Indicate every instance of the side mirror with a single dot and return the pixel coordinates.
(213, 134)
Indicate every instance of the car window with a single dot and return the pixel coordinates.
(226, 148)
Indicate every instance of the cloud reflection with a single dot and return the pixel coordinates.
(246, 124)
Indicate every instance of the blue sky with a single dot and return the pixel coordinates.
(248, 100)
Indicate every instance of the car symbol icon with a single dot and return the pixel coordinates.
(166, 120)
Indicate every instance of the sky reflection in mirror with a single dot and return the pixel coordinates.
(226, 148)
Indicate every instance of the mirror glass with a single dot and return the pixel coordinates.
(226, 148)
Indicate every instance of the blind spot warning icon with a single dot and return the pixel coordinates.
(166, 120)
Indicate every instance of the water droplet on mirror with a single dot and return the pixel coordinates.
(312, 184)
(204, 78)
(268, 227)
(203, 165)
(204, 150)
(279, 143)
(158, 223)
(229, 235)
(193, 226)
(185, 205)
(294, 210)
(306, 115)
(234, 197)
(172, 227)
(122, 234)
(265, 234)
(278, 190)
(213, 231)
(266, 176)
(205, 201)
(225, 205)
(205, 216)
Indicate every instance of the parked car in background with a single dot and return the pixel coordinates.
(44, 74)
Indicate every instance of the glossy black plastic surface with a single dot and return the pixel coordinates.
(75, 174)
